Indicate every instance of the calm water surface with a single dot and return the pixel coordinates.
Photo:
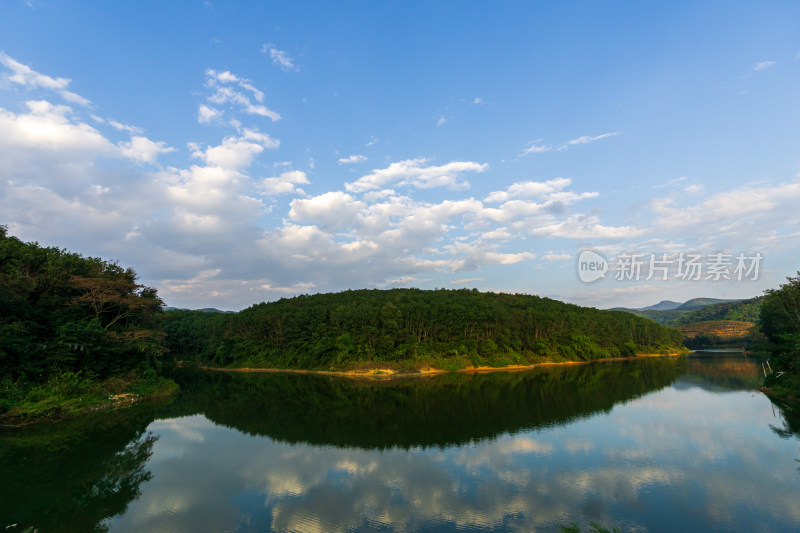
(651, 445)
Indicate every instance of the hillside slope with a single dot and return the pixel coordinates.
(413, 328)
(701, 309)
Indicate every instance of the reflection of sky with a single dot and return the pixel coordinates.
(653, 464)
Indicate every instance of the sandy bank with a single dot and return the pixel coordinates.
(388, 373)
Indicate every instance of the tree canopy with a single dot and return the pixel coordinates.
(62, 312)
(780, 323)
(464, 326)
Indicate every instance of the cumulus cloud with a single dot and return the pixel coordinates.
(144, 150)
(236, 151)
(334, 209)
(213, 230)
(286, 183)
(583, 227)
(412, 172)
(206, 114)
(529, 189)
(767, 219)
(50, 128)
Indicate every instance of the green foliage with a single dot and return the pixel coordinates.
(62, 313)
(780, 323)
(447, 329)
(701, 310)
(73, 331)
(70, 393)
(744, 311)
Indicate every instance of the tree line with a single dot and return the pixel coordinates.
(780, 323)
(73, 330)
(458, 327)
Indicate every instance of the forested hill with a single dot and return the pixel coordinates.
(441, 328)
(701, 309)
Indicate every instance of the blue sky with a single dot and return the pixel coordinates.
(240, 152)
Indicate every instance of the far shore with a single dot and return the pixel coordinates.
(389, 373)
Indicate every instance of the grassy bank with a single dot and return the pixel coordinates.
(785, 387)
(69, 394)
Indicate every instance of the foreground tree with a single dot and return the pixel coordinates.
(62, 312)
(780, 323)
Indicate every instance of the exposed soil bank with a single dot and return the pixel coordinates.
(387, 373)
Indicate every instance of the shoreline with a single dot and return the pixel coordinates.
(113, 403)
(389, 373)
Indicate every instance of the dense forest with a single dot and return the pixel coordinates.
(780, 323)
(73, 329)
(743, 311)
(76, 331)
(442, 328)
(702, 309)
(711, 323)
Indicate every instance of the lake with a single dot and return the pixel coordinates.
(657, 444)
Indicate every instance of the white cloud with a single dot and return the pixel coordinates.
(352, 159)
(411, 172)
(286, 183)
(529, 189)
(534, 147)
(334, 209)
(214, 213)
(763, 65)
(264, 111)
(144, 150)
(767, 219)
(465, 280)
(27, 77)
(555, 256)
(222, 83)
(586, 139)
(50, 128)
(582, 227)
(279, 57)
(204, 218)
(124, 127)
(441, 121)
(236, 152)
(206, 114)
(478, 101)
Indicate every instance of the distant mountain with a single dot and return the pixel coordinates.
(737, 310)
(203, 310)
(699, 303)
(664, 305)
(697, 310)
